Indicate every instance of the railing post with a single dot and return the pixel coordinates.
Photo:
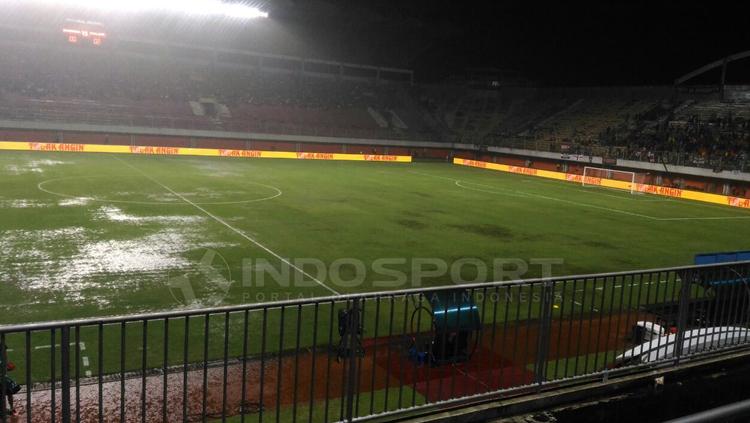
(687, 277)
(3, 374)
(545, 325)
(351, 359)
(65, 373)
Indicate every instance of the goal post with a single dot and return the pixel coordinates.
(611, 178)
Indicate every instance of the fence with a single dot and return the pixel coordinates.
(375, 355)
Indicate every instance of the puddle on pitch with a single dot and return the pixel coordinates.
(75, 201)
(22, 204)
(76, 263)
(32, 166)
(115, 214)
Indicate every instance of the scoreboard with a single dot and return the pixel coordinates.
(84, 32)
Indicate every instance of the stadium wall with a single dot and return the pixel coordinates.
(611, 183)
(672, 179)
(190, 151)
(56, 131)
(693, 179)
(631, 164)
(110, 135)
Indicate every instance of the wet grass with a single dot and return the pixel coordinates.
(89, 235)
(86, 235)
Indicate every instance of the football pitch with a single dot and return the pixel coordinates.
(86, 235)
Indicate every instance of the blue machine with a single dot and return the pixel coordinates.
(715, 258)
(454, 311)
(455, 321)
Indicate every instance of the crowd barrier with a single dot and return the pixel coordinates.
(386, 356)
(725, 200)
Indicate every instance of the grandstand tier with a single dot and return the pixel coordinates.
(142, 88)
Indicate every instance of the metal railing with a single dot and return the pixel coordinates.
(373, 355)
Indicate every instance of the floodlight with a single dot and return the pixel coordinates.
(190, 7)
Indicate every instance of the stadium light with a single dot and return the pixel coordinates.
(191, 7)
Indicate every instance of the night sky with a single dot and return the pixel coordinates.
(628, 42)
(561, 43)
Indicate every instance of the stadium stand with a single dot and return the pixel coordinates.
(646, 124)
(707, 134)
(148, 89)
(42, 84)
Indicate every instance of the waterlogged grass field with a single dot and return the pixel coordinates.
(93, 234)
(84, 235)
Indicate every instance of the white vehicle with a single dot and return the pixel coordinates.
(695, 340)
(648, 331)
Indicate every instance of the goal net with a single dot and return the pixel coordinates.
(610, 178)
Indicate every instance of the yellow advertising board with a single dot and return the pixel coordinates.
(611, 183)
(186, 151)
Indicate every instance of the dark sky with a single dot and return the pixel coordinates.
(556, 43)
(624, 42)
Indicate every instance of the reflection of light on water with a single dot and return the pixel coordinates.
(22, 204)
(24, 248)
(164, 198)
(115, 214)
(32, 166)
(73, 263)
(148, 254)
(212, 194)
(215, 170)
(77, 201)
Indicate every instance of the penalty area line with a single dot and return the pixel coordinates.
(560, 200)
(232, 228)
(524, 194)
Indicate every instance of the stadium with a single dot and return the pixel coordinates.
(325, 211)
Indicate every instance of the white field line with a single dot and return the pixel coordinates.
(705, 218)
(41, 187)
(655, 200)
(458, 183)
(523, 194)
(545, 197)
(518, 193)
(432, 176)
(632, 285)
(72, 344)
(601, 288)
(593, 189)
(548, 182)
(81, 347)
(594, 309)
(232, 228)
